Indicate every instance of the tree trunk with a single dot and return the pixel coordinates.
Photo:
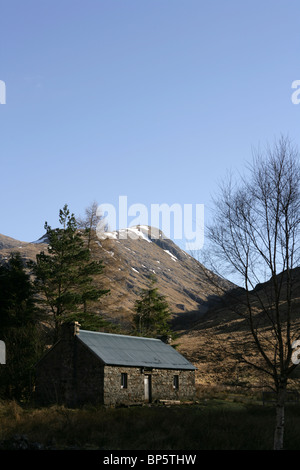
(279, 428)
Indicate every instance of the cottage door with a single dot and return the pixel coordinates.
(147, 387)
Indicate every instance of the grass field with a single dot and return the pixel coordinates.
(207, 425)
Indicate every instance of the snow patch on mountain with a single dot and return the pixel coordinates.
(43, 239)
(172, 256)
(132, 233)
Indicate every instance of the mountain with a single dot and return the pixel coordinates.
(217, 338)
(130, 256)
(27, 250)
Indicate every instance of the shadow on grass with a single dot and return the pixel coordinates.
(209, 425)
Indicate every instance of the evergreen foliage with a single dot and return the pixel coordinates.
(18, 328)
(152, 313)
(64, 275)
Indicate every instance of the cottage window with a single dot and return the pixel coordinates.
(176, 382)
(123, 380)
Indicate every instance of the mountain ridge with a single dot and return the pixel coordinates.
(130, 256)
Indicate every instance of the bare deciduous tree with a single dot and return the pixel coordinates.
(92, 222)
(255, 235)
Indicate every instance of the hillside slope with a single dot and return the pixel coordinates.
(130, 256)
(217, 341)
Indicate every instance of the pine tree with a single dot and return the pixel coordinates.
(152, 313)
(17, 303)
(64, 275)
(19, 328)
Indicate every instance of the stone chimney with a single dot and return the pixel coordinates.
(165, 338)
(76, 328)
(69, 330)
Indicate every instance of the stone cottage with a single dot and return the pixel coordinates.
(110, 369)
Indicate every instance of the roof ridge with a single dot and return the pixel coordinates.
(118, 334)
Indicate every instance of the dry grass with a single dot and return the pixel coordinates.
(211, 424)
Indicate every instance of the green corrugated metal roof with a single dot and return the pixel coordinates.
(134, 351)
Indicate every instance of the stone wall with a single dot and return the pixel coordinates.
(113, 391)
(89, 375)
(54, 375)
(162, 385)
(69, 373)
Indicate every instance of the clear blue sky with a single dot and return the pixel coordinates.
(152, 99)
